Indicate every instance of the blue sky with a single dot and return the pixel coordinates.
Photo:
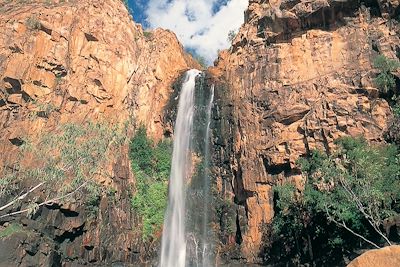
(201, 25)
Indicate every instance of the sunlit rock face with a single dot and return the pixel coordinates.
(388, 256)
(72, 62)
(298, 76)
(87, 58)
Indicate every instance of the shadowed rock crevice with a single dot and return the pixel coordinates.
(91, 37)
(70, 235)
(275, 169)
(15, 85)
(16, 141)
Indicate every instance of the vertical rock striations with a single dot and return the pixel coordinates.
(298, 76)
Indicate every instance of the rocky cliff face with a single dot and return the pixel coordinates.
(74, 62)
(298, 76)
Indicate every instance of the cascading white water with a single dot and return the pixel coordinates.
(206, 186)
(173, 247)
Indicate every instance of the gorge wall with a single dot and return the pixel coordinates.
(64, 62)
(298, 76)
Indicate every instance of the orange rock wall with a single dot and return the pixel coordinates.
(87, 60)
(295, 85)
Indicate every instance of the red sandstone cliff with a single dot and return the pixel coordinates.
(298, 76)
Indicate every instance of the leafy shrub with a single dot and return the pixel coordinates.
(7, 182)
(33, 23)
(151, 165)
(385, 79)
(162, 159)
(141, 151)
(93, 198)
(231, 35)
(150, 201)
(226, 214)
(147, 34)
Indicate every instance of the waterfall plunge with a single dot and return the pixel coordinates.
(173, 248)
(206, 187)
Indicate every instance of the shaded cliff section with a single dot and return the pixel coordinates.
(70, 63)
(298, 76)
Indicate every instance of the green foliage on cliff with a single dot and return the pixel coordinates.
(141, 151)
(231, 35)
(33, 23)
(73, 150)
(226, 214)
(385, 79)
(347, 196)
(10, 230)
(151, 165)
(65, 158)
(289, 217)
(360, 182)
(93, 198)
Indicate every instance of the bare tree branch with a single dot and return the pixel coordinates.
(361, 207)
(47, 202)
(343, 224)
(21, 197)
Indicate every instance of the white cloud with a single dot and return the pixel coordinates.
(195, 24)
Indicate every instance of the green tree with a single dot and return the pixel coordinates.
(162, 159)
(360, 182)
(348, 196)
(141, 151)
(70, 154)
(151, 165)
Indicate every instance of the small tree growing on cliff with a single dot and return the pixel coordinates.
(385, 79)
(231, 35)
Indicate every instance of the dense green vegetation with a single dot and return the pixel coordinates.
(151, 164)
(346, 200)
(385, 79)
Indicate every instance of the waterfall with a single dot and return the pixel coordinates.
(173, 247)
(206, 185)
